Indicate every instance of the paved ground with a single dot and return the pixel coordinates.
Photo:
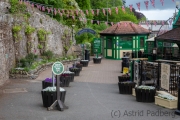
(94, 95)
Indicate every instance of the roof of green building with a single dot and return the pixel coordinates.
(123, 28)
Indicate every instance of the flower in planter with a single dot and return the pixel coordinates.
(127, 82)
(84, 60)
(146, 87)
(168, 97)
(53, 89)
(49, 80)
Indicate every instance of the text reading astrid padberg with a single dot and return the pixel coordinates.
(141, 113)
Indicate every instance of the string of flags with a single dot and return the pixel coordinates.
(74, 13)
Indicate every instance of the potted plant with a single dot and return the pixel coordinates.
(78, 65)
(75, 70)
(126, 87)
(123, 78)
(69, 73)
(47, 83)
(49, 95)
(145, 93)
(97, 59)
(84, 63)
(166, 100)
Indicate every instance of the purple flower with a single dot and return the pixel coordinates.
(49, 80)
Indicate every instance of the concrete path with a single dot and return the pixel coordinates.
(93, 95)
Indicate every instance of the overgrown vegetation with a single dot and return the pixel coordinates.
(16, 33)
(29, 30)
(17, 8)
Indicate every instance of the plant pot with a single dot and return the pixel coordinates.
(171, 104)
(48, 97)
(75, 70)
(97, 60)
(70, 74)
(126, 88)
(145, 95)
(79, 66)
(84, 63)
(123, 78)
(46, 84)
(64, 81)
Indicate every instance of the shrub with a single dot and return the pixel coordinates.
(49, 54)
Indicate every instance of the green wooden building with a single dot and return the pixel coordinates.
(123, 39)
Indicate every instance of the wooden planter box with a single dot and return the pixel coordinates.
(97, 60)
(84, 63)
(145, 95)
(46, 84)
(123, 78)
(75, 70)
(48, 98)
(171, 104)
(126, 88)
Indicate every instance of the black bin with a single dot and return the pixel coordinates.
(125, 62)
(87, 55)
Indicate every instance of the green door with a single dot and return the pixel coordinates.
(109, 47)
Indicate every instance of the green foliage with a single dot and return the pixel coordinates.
(16, 7)
(31, 56)
(49, 54)
(16, 28)
(88, 45)
(40, 46)
(42, 34)
(29, 30)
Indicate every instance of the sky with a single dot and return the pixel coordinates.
(159, 12)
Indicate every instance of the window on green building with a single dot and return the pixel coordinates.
(141, 42)
(109, 44)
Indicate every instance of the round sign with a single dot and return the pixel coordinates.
(57, 68)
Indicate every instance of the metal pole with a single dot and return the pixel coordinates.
(177, 112)
(107, 10)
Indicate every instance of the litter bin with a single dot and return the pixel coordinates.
(87, 55)
(125, 63)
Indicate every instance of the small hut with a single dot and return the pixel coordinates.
(123, 39)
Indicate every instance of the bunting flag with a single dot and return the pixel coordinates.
(73, 17)
(98, 22)
(162, 1)
(87, 12)
(20, 1)
(147, 23)
(91, 21)
(40, 7)
(173, 0)
(163, 22)
(92, 11)
(131, 7)
(104, 12)
(51, 10)
(62, 11)
(155, 23)
(60, 14)
(55, 12)
(32, 5)
(48, 10)
(72, 12)
(77, 12)
(59, 11)
(106, 23)
(112, 23)
(43, 8)
(146, 3)
(153, 3)
(109, 10)
(82, 12)
(138, 5)
(116, 10)
(170, 21)
(123, 9)
(97, 11)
